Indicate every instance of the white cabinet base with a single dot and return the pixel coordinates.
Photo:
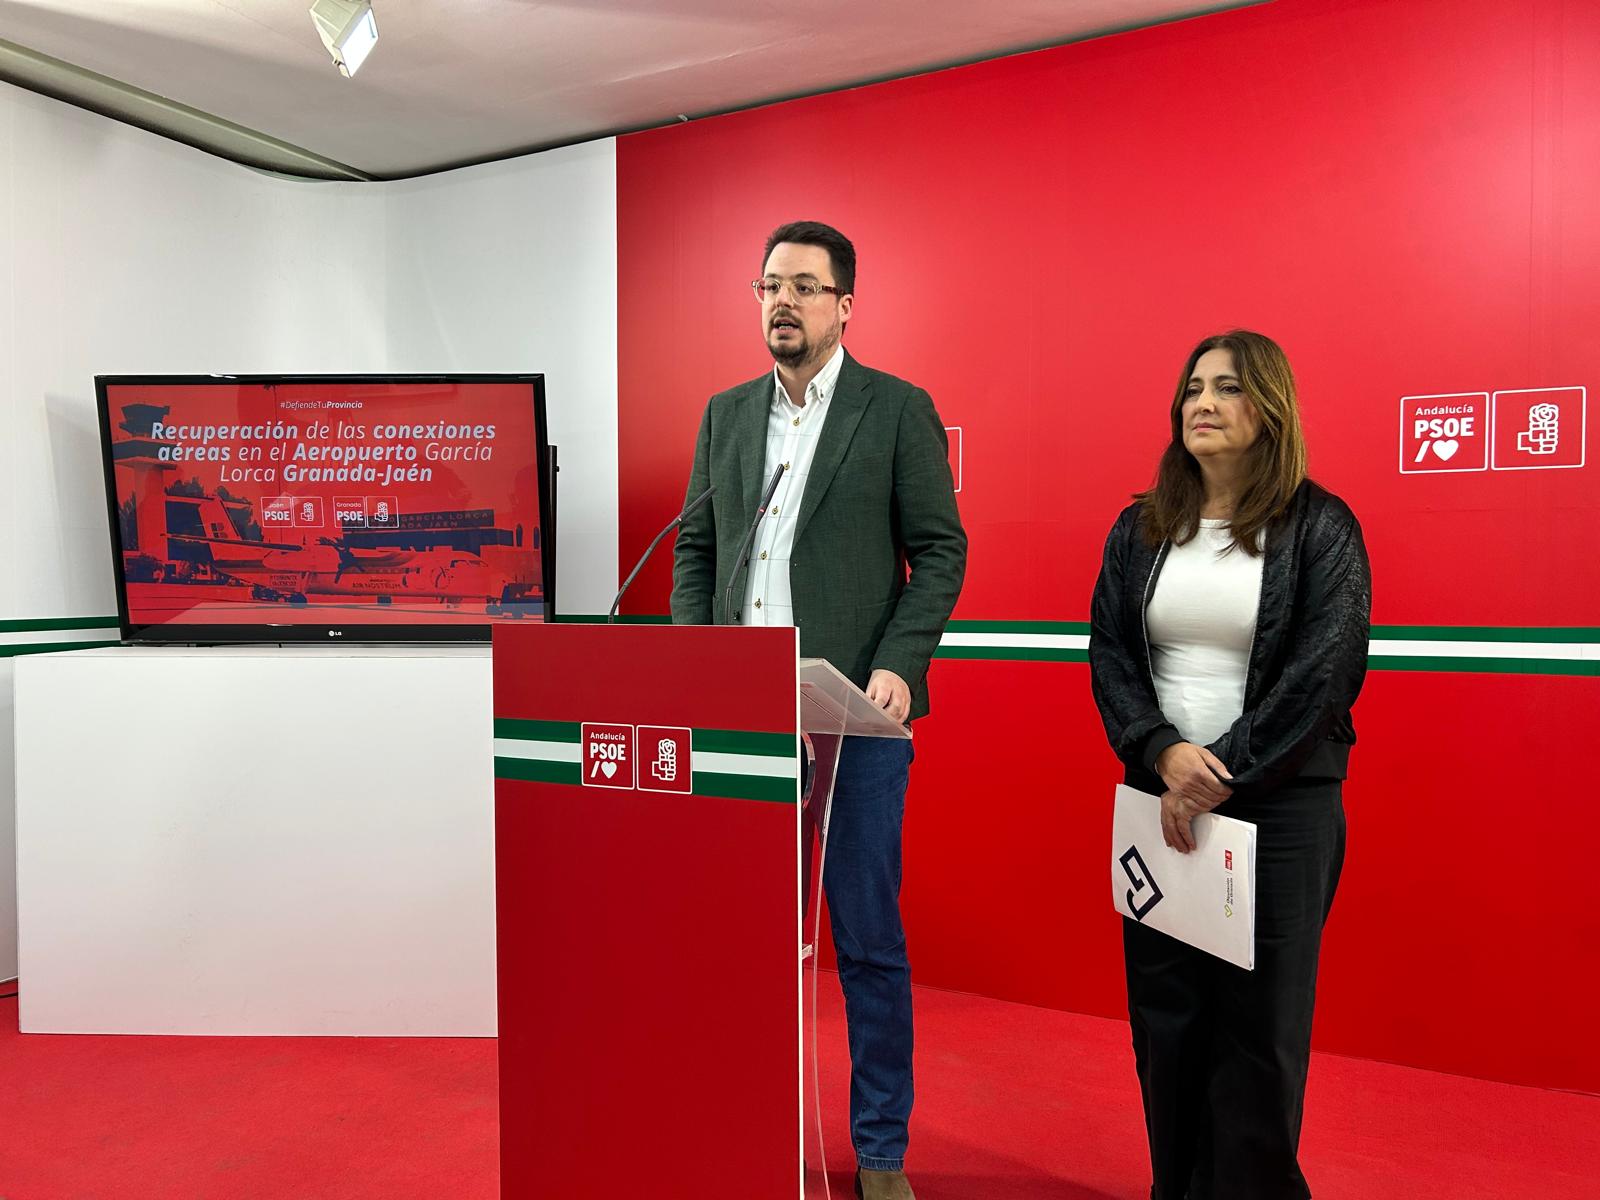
(270, 840)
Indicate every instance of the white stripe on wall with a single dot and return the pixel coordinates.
(1031, 641)
(1567, 651)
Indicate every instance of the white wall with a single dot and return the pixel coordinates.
(124, 252)
(513, 267)
(130, 253)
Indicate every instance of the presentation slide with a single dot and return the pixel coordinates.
(326, 502)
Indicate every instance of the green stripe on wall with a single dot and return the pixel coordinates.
(1487, 666)
(30, 624)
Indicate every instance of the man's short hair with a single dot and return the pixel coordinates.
(841, 254)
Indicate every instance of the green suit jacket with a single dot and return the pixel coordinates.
(879, 506)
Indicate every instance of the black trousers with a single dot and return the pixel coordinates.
(1222, 1052)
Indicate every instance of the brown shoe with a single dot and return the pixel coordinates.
(883, 1185)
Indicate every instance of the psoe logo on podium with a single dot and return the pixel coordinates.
(1444, 434)
(664, 759)
(607, 755)
(1539, 428)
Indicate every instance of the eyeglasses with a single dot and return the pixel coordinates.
(803, 290)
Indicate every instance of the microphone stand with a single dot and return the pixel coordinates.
(676, 521)
(749, 543)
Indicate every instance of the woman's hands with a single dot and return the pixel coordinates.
(1196, 783)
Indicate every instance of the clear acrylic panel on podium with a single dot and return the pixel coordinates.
(831, 709)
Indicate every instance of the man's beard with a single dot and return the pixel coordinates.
(792, 355)
(802, 353)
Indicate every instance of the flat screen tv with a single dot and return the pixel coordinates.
(318, 508)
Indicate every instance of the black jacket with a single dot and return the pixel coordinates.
(1306, 665)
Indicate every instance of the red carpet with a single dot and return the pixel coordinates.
(137, 1118)
(1020, 1103)
(1014, 1103)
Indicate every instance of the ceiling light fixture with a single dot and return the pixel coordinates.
(348, 29)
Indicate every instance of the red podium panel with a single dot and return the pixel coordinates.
(647, 850)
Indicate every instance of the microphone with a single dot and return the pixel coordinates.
(639, 566)
(749, 543)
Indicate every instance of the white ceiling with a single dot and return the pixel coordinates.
(458, 81)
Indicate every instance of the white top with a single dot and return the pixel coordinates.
(792, 437)
(1201, 623)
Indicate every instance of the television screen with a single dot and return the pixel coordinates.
(304, 508)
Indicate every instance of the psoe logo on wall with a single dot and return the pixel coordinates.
(1444, 433)
(607, 755)
(1534, 428)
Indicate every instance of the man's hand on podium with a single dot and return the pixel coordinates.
(890, 693)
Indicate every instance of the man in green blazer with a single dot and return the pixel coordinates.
(862, 549)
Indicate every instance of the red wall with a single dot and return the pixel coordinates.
(1406, 196)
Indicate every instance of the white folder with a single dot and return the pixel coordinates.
(1206, 897)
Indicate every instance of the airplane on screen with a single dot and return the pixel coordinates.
(328, 568)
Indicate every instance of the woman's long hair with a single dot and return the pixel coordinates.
(1274, 467)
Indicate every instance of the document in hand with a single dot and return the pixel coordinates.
(1206, 897)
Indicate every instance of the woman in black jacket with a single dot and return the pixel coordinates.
(1228, 642)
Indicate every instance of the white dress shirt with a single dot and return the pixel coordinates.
(792, 436)
(1202, 625)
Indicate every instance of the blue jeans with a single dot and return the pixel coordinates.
(862, 880)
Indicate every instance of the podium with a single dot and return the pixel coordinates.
(658, 793)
